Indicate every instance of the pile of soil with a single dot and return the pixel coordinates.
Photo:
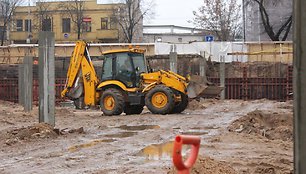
(201, 103)
(209, 166)
(270, 125)
(39, 130)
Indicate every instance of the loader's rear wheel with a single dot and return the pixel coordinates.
(182, 105)
(79, 103)
(133, 109)
(112, 102)
(160, 100)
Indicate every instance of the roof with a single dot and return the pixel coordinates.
(132, 50)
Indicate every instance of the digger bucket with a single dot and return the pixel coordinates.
(200, 87)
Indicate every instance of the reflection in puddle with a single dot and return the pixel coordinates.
(141, 127)
(90, 144)
(121, 135)
(160, 151)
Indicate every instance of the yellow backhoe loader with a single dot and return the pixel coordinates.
(125, 84)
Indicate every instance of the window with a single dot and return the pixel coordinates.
(46, 24)
(19, 25)
(66, 25)
(2, 29)
(107, 70)
(28, 25)
(86, 24)
(104, 23)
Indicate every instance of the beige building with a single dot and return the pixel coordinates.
(98, 23)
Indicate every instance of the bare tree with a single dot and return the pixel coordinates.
(222, 17)
(275, 32)
(75, 9)
(7, 9)
(130, 16)
(42, 14)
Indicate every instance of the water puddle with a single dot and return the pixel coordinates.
(193, 132)
(90, 144)
(161, 151)
(138, 128)
(121, 135)
(206, 127)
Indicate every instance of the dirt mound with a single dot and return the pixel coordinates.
(208, 166)
(39, 130)
(270, 125)
(201, 103)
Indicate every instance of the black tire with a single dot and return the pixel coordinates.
(117, 102)
(165, 93)
(79, 103)
(133, 109)
(182, 105)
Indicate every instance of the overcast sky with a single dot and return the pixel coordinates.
(170, 12)
(174, 12)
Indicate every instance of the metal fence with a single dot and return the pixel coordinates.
(245, 87)
(9, 90)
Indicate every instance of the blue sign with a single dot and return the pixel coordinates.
(209, 38)
(66, 35)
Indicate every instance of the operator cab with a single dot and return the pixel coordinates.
(124, 66)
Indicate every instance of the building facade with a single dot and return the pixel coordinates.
(96, 22)
(173, 34)
(279, 11)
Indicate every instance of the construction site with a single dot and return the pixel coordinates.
(246, 128)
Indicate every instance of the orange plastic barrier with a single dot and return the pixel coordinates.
(180, 140)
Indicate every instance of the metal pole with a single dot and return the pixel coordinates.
(299, 86)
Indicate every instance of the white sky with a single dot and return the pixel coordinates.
(171, 12)
(174, 12)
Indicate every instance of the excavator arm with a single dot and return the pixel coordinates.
(81, 76)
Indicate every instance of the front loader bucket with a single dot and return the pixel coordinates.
(199, 87)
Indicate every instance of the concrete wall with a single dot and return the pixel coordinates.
(278, 13)
(172, 38)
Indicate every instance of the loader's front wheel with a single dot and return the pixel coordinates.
(112, 102)
(160, 100)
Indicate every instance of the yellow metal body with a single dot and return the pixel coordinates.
(116, 83)
(80, 61)
(168, 78)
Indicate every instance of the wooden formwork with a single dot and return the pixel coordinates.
(14, 54)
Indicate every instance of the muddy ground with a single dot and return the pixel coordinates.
(236, 137)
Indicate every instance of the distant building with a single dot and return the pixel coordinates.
(172, 34)
(278, 12)
(98, 23)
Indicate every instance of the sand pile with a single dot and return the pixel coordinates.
(209, 166)
(270, 125)
(201, 103)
